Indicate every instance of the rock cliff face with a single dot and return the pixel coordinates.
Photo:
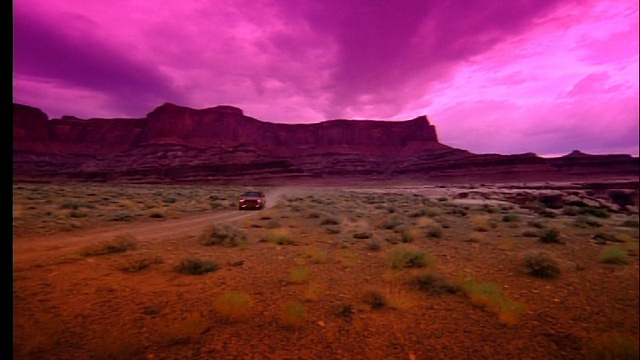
(175, 143)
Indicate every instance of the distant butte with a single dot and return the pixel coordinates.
(180, 144)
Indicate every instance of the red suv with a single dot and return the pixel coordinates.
(252, 200)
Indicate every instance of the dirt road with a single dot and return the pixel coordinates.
(34, 247)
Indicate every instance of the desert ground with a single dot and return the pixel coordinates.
(117, 271)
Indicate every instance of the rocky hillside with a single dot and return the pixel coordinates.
(174, 143)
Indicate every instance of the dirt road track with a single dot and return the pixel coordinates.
(32, 247)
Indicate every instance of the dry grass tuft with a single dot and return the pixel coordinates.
(292, 314)
(121, 243)
(233, 305)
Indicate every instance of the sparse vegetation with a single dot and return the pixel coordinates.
(434, 284)
(119, 244)
(400, 258)
(375, 299)
(140, 262)
(280, 238)
(491, 297)
(614, 255)
(548, 236)
(594, 211)
(612, 347)
(233, 305)
(195, 266)
(299, 275)
(335, 273)
(292, 314)
(223, 235)
(541, 264)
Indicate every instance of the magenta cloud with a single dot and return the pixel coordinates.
(494, 77)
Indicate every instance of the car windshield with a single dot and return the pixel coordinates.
(253, 194)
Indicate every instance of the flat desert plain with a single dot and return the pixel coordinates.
(105, 271)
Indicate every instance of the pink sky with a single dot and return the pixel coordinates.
(494, 77)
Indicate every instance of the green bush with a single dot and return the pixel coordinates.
(614, 255)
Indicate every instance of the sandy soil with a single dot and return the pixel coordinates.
(70, 306)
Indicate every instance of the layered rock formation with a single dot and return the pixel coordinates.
(174, 143)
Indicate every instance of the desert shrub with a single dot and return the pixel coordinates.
(292, 314)
(316, 256)
(332, 230)
(480, 223)
(122, 216)
(530, 233)
(549, 236)
(77, 214)
(373, 245)
(193, 266)
(434, 231)
(314, 215)
(632, 223)
(541, 264)
(156, 214)
(119, 244)
(218, 204)
(223, 235)
(536, 224)
(75, 204)
(280, 238)
(362, 235)
(140, 262)
(457, 211)
(169, 200)
(273, 224)
(594, 211)
(179, 331)
(434, 284)
(570, 210)
(374, 299)
(407, 236)
(232, 304)
(491, 297)
(510, 218)
(547, 213)
(583, 221)
(613, 255)
(612, 347)
(299, 275)
(345, 311)
(401, 258)
(393, 222)
(601, 236)
(330, 220)
(429, 212)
